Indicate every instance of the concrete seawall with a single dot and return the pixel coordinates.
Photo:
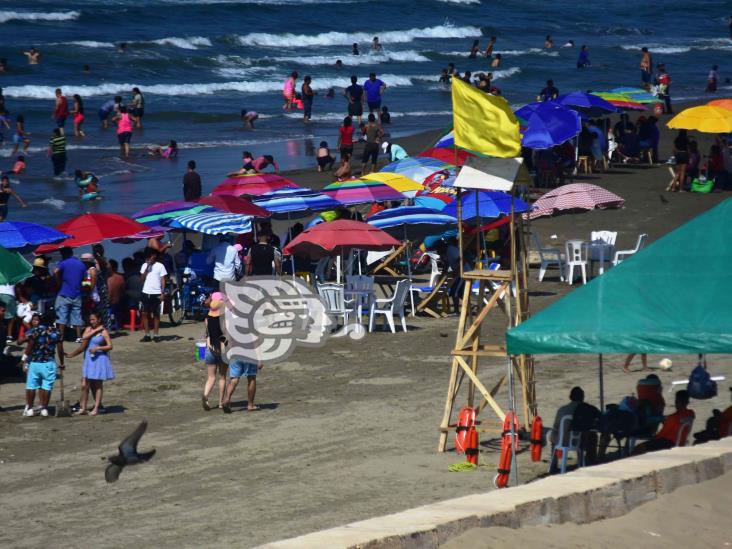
(584, 495)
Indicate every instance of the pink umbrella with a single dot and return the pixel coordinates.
(253, 184)
(575, 196)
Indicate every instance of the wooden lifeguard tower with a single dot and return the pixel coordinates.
(503, 290)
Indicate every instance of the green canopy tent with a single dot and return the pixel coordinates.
(671, 297)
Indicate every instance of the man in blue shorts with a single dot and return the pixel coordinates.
(43, 342)
(237, 370)
(109, 107)
(69, 273)
(374, 89)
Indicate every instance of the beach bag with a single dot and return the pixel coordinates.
(701, 385)
(702, 185)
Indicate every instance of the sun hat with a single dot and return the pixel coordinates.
(39, 262)
(217, 300)
(87, 257)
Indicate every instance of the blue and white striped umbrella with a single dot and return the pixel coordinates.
(412, 222)
(292, 202)
(214, 223)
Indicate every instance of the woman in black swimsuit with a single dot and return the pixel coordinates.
(5, 193)
(681, 153)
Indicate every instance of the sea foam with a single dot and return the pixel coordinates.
(7, 15)
(344, 38)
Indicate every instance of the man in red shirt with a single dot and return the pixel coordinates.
(61, 110)
(672, 425)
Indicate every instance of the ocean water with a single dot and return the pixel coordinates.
(199, 62)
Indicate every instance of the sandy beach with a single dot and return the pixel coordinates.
(347, 431)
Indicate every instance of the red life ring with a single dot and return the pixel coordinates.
(466, 420)
(471, 451)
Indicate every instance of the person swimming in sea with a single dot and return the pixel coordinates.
(376, 45)
(385, 115)
(169, 152)
(548, 42)
(248, 118)
(33, 56)
(88, 184)
(496, 61)
(475, 48)
(122, 47)
(489, 48)
(569, 44)
(338, 64)
(354, 50)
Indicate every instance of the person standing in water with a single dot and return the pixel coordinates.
(57, 151)
(355, 96)
(354, 49)
(646, 67)
(20, 135)
(489, 47)
(548, 42)
(583, 61)
(288, 91)
(78, 115)
(307, 99)
(124, 132)
(712, 79)
(376, 45)
(138, 107)
(475, 48)
(5, 193)
(60, 110)
(374, 89)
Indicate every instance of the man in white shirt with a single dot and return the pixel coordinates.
(225, 258)
(153, 285)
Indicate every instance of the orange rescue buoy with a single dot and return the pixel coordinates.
(471, 450)
(536, 430)
(466, 420)
(509, 444)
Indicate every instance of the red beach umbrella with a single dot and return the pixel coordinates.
(234, 204)
(90, 228)
(338, 237)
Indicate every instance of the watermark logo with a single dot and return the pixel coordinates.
(267, 318)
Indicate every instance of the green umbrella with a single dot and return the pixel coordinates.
(13, 268)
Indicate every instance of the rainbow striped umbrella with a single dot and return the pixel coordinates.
(638, 95)
(621, 101)
(398, 182)
(360, 191)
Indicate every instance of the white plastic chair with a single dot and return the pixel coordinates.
(576, 251)
(605, 237)
(622, 255)
(391, 306)
(434, 278)
(572, 444)
(335, 302)
(547, 257)
(361, 287)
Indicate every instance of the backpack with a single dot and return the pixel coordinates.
(701, 386)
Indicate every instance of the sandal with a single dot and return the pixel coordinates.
(205, 404)
(81, 413)
(226, 407)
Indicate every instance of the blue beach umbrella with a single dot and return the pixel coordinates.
(214, 223)
(587, 104)
(288, 203)
(489, 205)
(548, 124)
(17, 234)
(418, 168)
(412, 222)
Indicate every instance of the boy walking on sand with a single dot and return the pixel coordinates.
(373, 134)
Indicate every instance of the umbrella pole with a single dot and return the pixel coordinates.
(289, 239)
(602, 382)
(479, 236)
(409, 268)
(459, 226)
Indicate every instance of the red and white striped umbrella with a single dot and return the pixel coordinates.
(575, 196)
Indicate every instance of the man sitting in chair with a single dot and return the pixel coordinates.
(584, 418)
(669, 433)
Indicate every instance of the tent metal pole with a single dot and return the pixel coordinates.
(512, 409)
(602, 382)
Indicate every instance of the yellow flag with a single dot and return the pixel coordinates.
(484, 123)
